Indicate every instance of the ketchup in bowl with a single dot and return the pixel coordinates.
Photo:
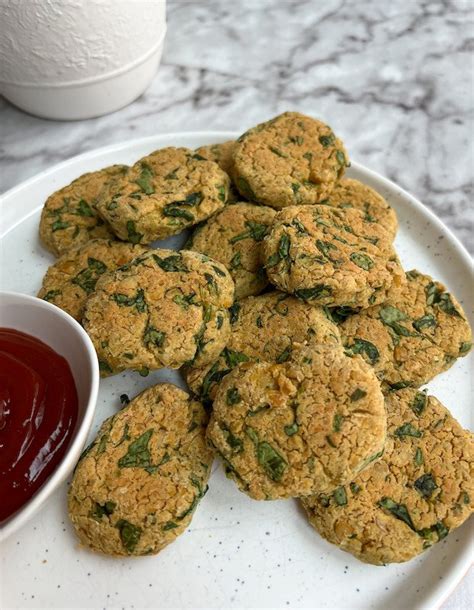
(38, 413)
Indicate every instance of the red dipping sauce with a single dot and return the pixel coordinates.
(38, 413)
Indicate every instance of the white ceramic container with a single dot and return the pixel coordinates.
(61, 332)
(76, 59)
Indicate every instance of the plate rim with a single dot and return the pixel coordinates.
(461, 564)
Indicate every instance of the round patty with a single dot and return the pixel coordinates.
(73, 277)
(266, 327)
(162, 194)
(291, 159)
(331, 256)
(164, 309)
(296, 428)
(136, 487)
(413, 496)
(416, 334)
(234, 238)
(69, 217)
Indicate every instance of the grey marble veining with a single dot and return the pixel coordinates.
(391, 76)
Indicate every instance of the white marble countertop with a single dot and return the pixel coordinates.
(389, 76)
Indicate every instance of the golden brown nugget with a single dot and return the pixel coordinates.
(413, 496)
(73, 277)
(349, 193)
(418, 333)
(291, 429)
(69, 217)
(266, 327)
(136, 487)
(164, 193)
(329, 256)
(164, 309)
(219, 153)
(291, 159)
(234, 238)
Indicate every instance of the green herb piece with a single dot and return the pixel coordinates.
(271, 461)
(400, 385)
(426, 485)
(219, 321)
(284, 356)
(51, 295)
(464, 347)
(357, 394)
(211, 282)
(361, 346)
(362, 260)
(308, 156)
(424, 322)
(259, 322)
(84, 209)
(154, 336)
(295, 187)
(355, 488)
(391, 316)
(169, 525)
(185, 301)
(144, 181)
(446, 304)
(433, 534)
(296, 140)
(432, 293)
(144, 371)
(419, 403)
(214, 375)
(234, 442)
(235, 261)
(234, 311)
(251, 433)
(129, 534)
(138, 455)
(320, 291)
(125, 301)
(337, 422)
(174, 262)
(104, 366)
(174, 212)
(87, 278)
(255, 231)
(327, 140)
(324, 247)
(133, 236)
(369, 460)
(278, 152)
(233, 397)
(198, 157)
(58, 225)
(101, 510)
(399, 511)
(284, 247)
(407, 429)
(222, 194)
(340, 496)
(465, 497)
(339, 314)
(418, 457)
(341, 158)
(172, 175)
(292, 429)
(233, 358)
(245, 188)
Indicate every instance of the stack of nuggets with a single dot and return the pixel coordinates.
(312, 387)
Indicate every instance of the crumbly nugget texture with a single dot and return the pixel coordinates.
(349, 193)
(413, 496)
(163, 309)
(291, 159)
(69, 216)
(221, 153)
(296, 428)
(416, 334)
(136, 487)
(73, 277)
(329, 256)
(234, 237)
(164, 193)
(267, 327)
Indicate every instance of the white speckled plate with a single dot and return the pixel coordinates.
(238, 553)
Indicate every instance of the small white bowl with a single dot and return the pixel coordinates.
(61, 332)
